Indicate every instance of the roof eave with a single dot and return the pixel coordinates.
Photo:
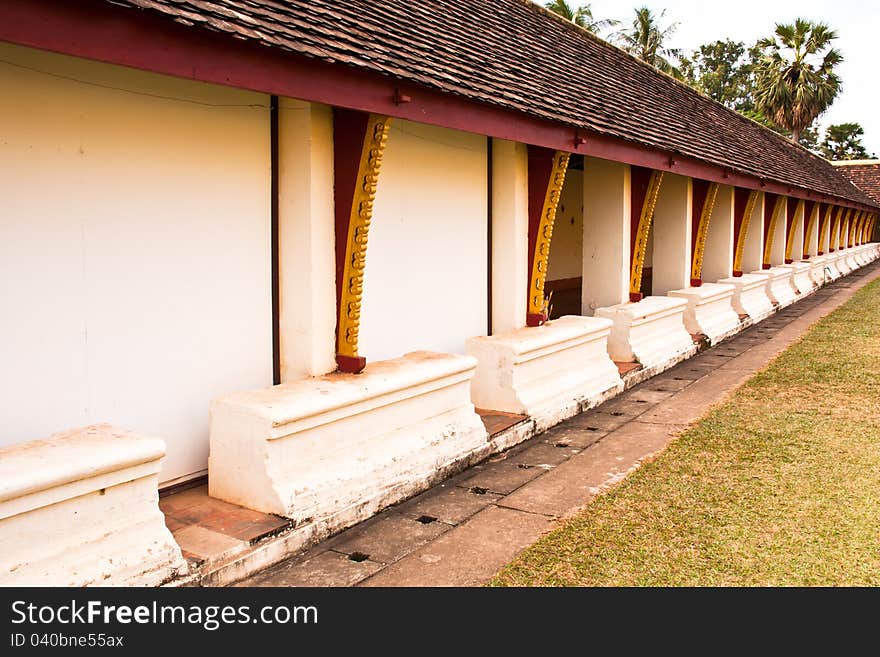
(93, 29)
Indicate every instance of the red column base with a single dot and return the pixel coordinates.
(737, 274)
(635, 297)
(351, 364)
(535, 319)
(788, 261)
(765, 266)
(830, 250)
(818, 253)
(696, 282)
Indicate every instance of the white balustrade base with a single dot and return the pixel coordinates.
(548, 372)
(81, 508)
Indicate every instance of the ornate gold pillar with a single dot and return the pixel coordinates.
(645, 189)
(547, 171)
(704, 195)
(359, 144)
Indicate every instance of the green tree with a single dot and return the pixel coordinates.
(809, 138)
(646, 40)
(843, 142)
(582, 16)
(794, 78)
(721, 71)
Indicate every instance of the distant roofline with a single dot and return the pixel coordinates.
(852, 163)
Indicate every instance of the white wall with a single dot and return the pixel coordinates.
(566, 249)
(606, 247)
(672, 235)
(134, 251)
(306, 238)
(425, 282)
(510, 235)
(753, 253)
(813, 237)
(797, 240)
(718, 254)
(777, 249)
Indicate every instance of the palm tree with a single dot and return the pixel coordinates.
(646, 40)
(794, 78)
(582, 16)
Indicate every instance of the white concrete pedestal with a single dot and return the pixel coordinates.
(82, 508)
(750, 295)
(822, 270)
(337, 448)
(842, 262)
(831, 262)
(709, 310)
(862, 255)
(850, 257)
(549, 372)
(800, 277)
(650, 332)
(780, 287)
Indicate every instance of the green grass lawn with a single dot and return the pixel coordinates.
(779, 486)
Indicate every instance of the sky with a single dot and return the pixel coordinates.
(855, 21)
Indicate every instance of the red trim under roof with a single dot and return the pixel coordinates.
(99, 31)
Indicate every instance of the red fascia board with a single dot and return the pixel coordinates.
(116, 35)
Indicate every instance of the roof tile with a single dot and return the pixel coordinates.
(864, 174)
(518, 56)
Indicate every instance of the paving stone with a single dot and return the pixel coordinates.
(501, 477)
(574, 433)
(668, 383)
(205, 543)
(469, 554)
(326, 569)
(756, 359)
(598, 420)
(498, 421)
(710, 359)
(731, 348)
(547, 454)
(623, 405)
(573, 484)
(648, 394)
(392, 537)
(225, 518)
(173, 524)
(177, 502)
(693, 402)
(692, 372)
(449, 504)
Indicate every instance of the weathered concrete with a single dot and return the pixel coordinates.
(650, 332)
(340, 447)
(81, 508)
(750, 295)
(564, 490)
(546, 372)
(780, 286)
(710, 310)
(469, 554)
